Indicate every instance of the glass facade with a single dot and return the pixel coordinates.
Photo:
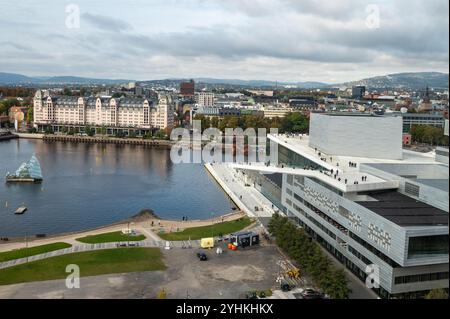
(292, 159)
(427, 245)
(268, 186)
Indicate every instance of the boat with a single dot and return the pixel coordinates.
(27, 172)
(20, 210)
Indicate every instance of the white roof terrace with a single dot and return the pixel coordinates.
(300, 145)
(372, 183)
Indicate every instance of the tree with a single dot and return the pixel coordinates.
(29, 118)
(215, 122)
(295, 123)
(160, 135)
(437, 294)
(120, 134)
(89, 131)
(428, 134)
(48, 130)
(299, 246)
(5, 105)
(148, 136)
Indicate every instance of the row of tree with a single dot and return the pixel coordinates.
(90, 131)
(428, 134)
(17, 91)
(307, 253)
(292, 123)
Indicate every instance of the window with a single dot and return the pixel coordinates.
(427, 245)
(412, 189)
(421, 277)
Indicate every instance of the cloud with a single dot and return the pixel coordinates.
(106, 23)
(250, 39)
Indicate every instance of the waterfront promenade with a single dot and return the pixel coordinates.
(109, 140)
(90, 140)
(247, 198)
(148, 227)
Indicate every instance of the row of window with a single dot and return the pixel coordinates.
(344, 230)
(421, 277)
(315, 222)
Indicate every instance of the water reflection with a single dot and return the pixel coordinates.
(89, 185)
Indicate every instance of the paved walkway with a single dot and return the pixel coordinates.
(91, 247)
(246, 197)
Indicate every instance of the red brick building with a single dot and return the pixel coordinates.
(187, 89)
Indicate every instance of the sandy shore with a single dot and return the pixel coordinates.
(149, 226)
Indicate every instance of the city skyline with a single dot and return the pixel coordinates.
(237, 39)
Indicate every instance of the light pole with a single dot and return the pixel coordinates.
(128, 234)
(26, 243)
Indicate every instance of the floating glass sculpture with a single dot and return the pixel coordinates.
(27, 172)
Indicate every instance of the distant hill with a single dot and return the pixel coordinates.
(415, 81)
(261, 83)
(15, 79)
(12, 78)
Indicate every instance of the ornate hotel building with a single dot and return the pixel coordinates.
(114, 114)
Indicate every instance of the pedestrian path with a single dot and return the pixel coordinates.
(249, 199)
(101, 246)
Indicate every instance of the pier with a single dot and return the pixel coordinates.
(108, 140)
(5, 137)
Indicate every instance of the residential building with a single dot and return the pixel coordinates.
(112, 113)
(274, 111)
(205, 99)
(305, 103)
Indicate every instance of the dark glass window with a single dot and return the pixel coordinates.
(427, 245)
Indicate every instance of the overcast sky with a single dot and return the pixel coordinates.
(286, 40)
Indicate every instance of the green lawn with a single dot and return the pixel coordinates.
(27, 252)
(109, 238)
(208, 231)
(91, 263)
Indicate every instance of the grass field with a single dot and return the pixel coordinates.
(208, 231)
(91, 263)
(27, 252)
(109, 238)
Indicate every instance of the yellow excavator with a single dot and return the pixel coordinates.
(293, 273)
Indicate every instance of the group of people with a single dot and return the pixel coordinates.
(351, 164)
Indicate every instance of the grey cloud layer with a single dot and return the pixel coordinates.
(284, 39)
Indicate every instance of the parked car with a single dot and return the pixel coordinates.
(202, 256)
(312, 294)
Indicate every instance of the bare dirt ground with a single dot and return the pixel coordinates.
(225, 276)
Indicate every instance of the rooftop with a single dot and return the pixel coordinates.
(405, 211)
(300, 144)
